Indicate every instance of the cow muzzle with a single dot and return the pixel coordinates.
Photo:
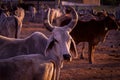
(67, 57)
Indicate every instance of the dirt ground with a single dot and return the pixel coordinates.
(107, 57)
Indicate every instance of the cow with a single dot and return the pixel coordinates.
(33, 12)
(10, 26)
(27, 67)
(59, 43)
(92, 31)
(34, 43)
(56, 13)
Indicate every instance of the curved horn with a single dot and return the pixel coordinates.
(47, 22)
(74, 20)
(73, 49)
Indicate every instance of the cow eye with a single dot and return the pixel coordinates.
(52, 43)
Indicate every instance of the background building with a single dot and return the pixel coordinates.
(89, 2)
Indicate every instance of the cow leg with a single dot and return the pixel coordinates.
(83, 51)
(45, 72)
(91, 53)
(57, 74)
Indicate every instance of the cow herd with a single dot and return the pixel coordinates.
(90, 29)
(38, 57)
(10, 25)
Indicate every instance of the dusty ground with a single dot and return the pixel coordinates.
(107, 57)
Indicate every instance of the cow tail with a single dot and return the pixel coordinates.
(16, 27)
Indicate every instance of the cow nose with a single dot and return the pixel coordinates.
(67, 57)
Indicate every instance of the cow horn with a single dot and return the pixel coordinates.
(74, 20)
(68, 27)
(47, 22)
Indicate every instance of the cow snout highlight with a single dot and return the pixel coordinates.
(67, 57)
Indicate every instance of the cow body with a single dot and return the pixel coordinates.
(34, 43)
(8, 27)
(26, 67)
(87, 32)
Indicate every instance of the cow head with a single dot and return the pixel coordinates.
(110, 23)
(60, 41)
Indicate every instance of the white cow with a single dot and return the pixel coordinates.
(10, 26)
(27, 67)
(35, 43)
(56, 48)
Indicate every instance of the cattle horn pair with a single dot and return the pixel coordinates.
(68, 27)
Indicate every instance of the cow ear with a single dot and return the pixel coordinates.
(73, 49)
(49, 46)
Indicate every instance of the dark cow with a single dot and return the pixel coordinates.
(92, 31)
